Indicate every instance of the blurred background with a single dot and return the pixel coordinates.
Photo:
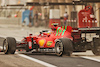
(13, 12)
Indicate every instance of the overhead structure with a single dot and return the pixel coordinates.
(47, 3)
(50, 3)
(90, 1)
(81, 2)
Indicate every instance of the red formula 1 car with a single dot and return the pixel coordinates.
(61, 40)
(58, 40)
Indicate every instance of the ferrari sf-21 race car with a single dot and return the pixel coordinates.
(59, 40)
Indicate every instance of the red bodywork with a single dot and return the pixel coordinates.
(48, 39)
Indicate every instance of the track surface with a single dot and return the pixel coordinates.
(64, 61)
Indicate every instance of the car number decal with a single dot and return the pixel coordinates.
(49, 43)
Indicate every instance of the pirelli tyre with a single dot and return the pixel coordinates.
(63, 46)
(9, 45)
(27, 48)
(96, 46)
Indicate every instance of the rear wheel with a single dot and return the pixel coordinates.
(9, 45)
(63, 46)
(96, 46)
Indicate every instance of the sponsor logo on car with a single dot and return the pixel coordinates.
(49, 43)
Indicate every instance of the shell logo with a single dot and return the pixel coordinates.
(41, 42)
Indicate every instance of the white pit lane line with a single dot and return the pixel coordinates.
(36, 60)
(90, 58)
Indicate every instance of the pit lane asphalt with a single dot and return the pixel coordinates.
(64, 61)
(18, 32)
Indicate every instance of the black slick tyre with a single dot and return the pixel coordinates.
(65, 47)
(27, 48)
(9, 45)
(96, 46)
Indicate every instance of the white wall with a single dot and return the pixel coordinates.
(5, 2)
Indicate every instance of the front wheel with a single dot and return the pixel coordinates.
(9, 45)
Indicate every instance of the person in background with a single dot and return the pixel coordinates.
(36, 19)
(65, 18)
(30, 19)
(46, 19)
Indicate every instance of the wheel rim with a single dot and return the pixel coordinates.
(59, 48)
(5, 46)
